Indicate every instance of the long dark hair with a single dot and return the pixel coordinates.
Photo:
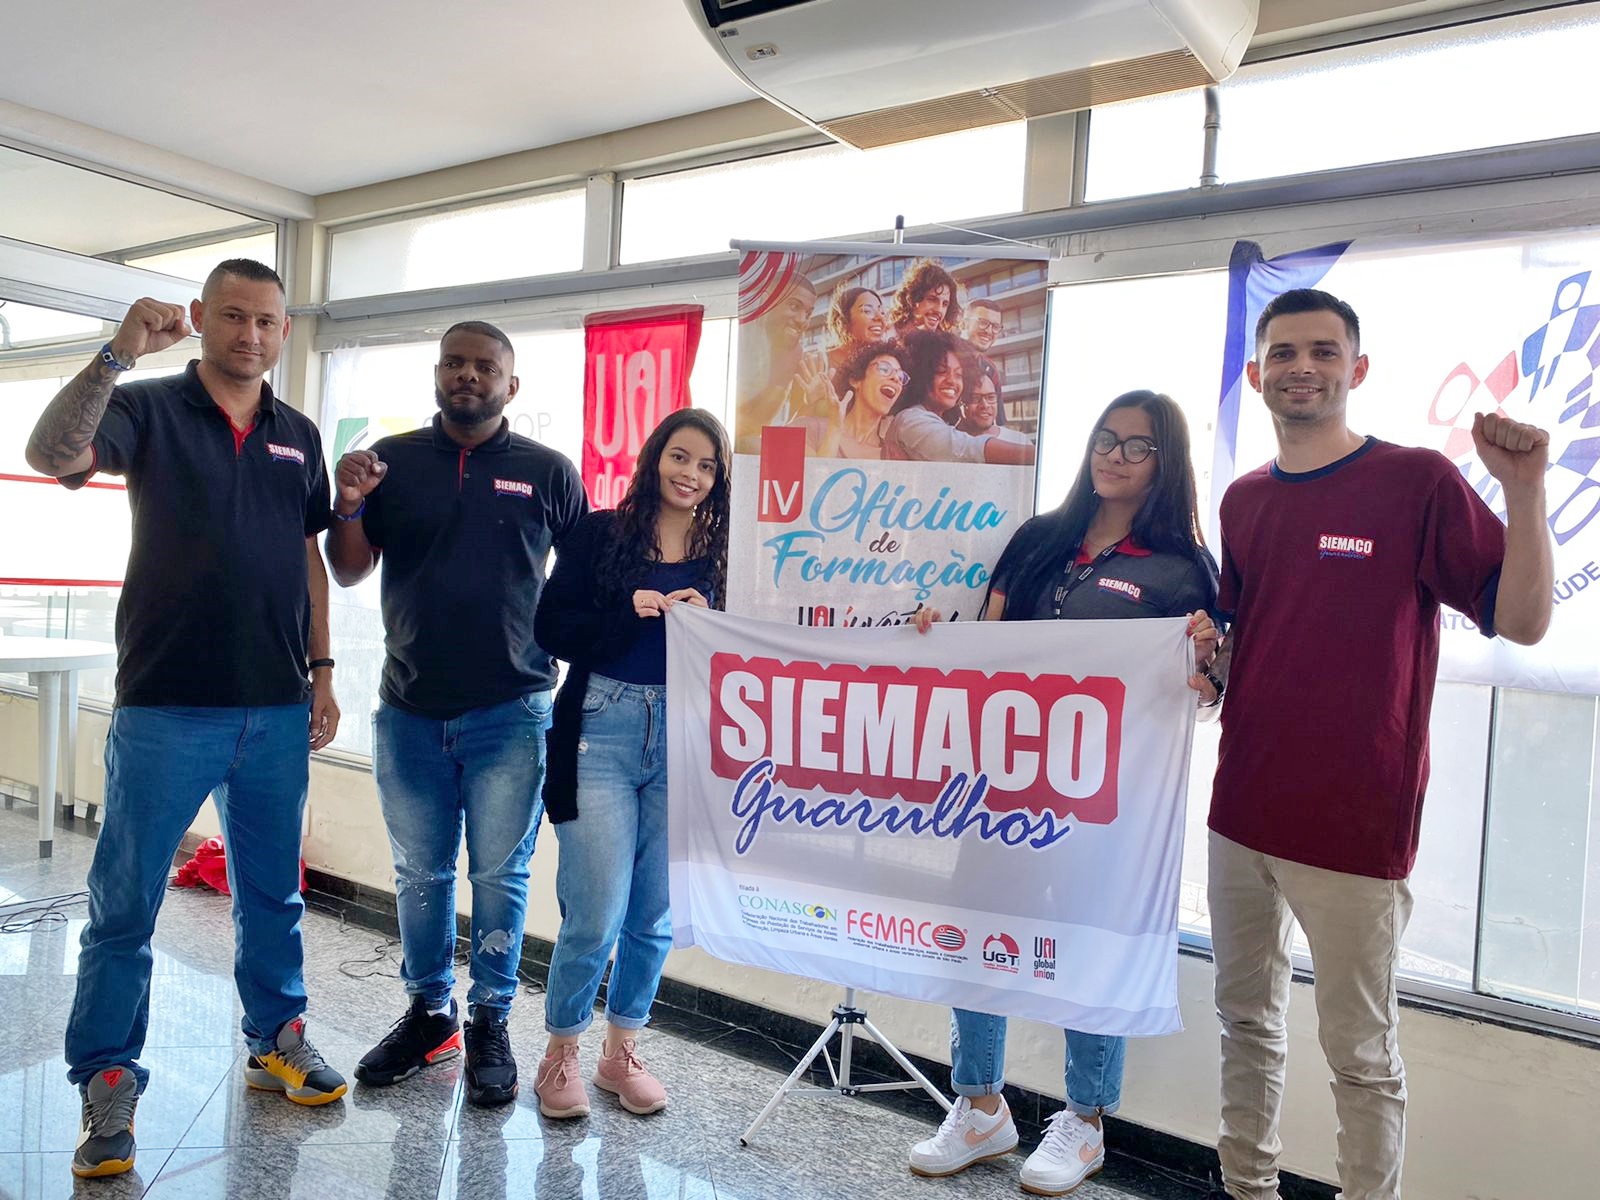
(1169, 519)
(925, 353)
(633, 549)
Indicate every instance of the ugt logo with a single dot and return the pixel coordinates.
(1000, 953)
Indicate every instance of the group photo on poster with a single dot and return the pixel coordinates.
(888, 401)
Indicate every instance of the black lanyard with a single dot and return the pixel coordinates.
(1070, 581)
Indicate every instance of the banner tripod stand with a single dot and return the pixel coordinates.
(846, 1016)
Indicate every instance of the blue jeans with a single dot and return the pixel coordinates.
(978, 1062)
(612, 877)
(485, 767)
(161, 763)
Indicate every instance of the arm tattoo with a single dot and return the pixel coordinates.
(68, 424)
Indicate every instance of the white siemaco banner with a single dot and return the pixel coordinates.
(944, 818)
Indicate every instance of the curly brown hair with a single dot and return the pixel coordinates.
(855, 367)
(924, 276)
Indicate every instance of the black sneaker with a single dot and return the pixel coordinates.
(105, 1134)
(491, 1071)
(294, 1068)
(418, 1039)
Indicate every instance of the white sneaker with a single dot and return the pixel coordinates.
(1072, 1150)
(967, 1136)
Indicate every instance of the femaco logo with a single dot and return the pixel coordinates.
(793, 908)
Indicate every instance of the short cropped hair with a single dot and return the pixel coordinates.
(1304, 300)
(484, 329)
(242, 268)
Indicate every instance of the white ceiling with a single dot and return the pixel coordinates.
(316, 97)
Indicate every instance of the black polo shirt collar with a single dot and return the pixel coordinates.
(193, 389)
(443, 441)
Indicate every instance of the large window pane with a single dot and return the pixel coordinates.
(195, 262)
(1541, 936)
(1491, 83)
(70, 208)
(509, 239)
(828, 191)
(1144, 146)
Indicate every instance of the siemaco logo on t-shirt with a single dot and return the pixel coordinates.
(1341, 545)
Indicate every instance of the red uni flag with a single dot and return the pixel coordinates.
(638, 364)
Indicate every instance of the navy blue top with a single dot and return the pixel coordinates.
(645, 658)
(214, 610)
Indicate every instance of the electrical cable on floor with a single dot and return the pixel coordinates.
(384, 954)
(25, 916)
(783, 1049)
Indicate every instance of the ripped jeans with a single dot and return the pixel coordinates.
(484, 769)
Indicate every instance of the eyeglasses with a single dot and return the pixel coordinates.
(1134, 449)
(889, 371)
(982, 326)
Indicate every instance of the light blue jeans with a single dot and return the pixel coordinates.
(612, 878)
(485, 769)
(978, 1062)
(161, 763)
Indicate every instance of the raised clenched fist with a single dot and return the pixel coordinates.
(1515, 454)
(357, 474)
(150, 326)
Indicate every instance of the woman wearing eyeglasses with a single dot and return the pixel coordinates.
(856, 317)
(922, 424)
(1129, 519)
(871, 382)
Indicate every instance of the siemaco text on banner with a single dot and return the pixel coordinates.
(1048, 743)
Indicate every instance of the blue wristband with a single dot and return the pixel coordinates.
(112, 361)
(355, 516)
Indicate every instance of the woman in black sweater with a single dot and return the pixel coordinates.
(606, 777)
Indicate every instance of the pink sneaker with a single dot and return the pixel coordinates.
(623, 1075)
(559, 1085)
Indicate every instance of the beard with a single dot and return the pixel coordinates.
(470, 415)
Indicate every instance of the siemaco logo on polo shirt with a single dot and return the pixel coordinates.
(1340, 545)
(513, 487)
(1131, 590)
(286, 453)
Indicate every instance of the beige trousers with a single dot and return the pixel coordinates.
(1353, 925)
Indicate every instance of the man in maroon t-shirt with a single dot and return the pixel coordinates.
(1335, 560)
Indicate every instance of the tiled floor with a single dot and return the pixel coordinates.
(201, 1133)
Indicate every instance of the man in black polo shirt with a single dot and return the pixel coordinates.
(224, 596)
(464, 520)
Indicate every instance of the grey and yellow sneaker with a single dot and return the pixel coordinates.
(295, 1068)
(105, 1134)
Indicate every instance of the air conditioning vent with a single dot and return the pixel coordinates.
(874, 72)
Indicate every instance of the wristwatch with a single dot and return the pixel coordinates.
(1212, 679)
(112, 361)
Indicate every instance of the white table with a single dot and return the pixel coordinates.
(52, 665)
